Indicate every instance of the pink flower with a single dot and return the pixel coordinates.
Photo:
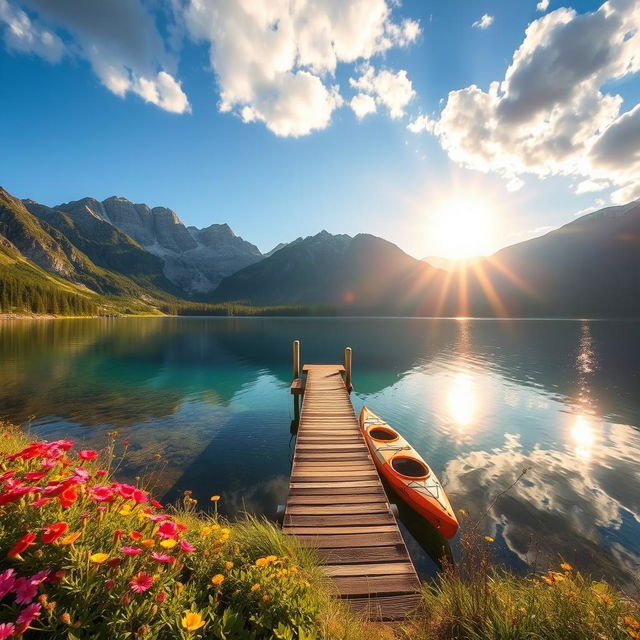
(125, 490)
(87, 454)
(33, 476)
(6, 475)
(156, 504)
(162, 557)
(7, 580)
(25, 590)
(81, 474)
(167, 529)
(47, 463)
(159, 517)
(28, 615)
(6, 630)
(130, 551)
(101, 472)
(141, 582)
(40, 577)
(161, 597)
(102, 494)
(186, 547)
(140, 496)
(40, 502)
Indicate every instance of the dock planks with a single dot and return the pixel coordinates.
(338, 505)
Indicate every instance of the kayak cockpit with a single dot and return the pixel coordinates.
(410, 467)
(383, 434)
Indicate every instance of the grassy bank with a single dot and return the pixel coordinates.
(84, 556)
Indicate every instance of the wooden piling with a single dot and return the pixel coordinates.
(296, 359)
(347, 368)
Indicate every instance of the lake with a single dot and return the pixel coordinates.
(204, 404)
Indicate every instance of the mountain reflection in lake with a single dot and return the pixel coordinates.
(204, 404)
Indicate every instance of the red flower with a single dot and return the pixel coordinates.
(117, 534)
(22, 544)
(167, 529)
(135, 535)
(102, 494)
(125, 490)
(40, 502)
(141, 582)
(15, 494)
(100, 473)
(68, 497)
(34, 476)
(140, 496)
(54, 531)
(156, 504)
(161, 597)
(87, 454)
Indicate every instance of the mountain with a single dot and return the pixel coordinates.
(280, 245)
(193, 260)
(361, 272)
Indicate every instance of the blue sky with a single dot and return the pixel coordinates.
(67, 134)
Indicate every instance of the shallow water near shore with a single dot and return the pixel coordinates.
(204, 404)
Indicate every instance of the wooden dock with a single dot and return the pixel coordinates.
(337, 503)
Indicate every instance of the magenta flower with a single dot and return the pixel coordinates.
(40, 577)
(87, 454)
(40, 502)
(47, 463)
(141, 582)
(33, 476)
(159, 517)
(167, 529)
(130, 551)
(81, 474)
(28, 615)
(7, 580)
(101, 493)
(140, 496)
(100, 473)
(25, 590)
(162, 557)
(186, 547)
(125, 490)
(6, 630)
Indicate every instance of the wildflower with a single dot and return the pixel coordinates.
(100, 473)
(631, 622)
(168, 544)
(261, 562)
(68, 497)
(186, 547)
(33, 476)
(228, 565)
(22, 545)
(255, 587)
(40, 502)
(217, 580)
(606, 598)
(125, 490)
(109, 584)
(81, 474)
(25, 590)
(167, 529)
(54, 531)
(140, 496)
(161, 597)
(271, 558)
(125, 511)
(265, 598)
(7, 580)
(162, 557)
(7, 629)
(148, 542)
(102, 494)
(141, 582)
(28, 615)
(548, 579)
(192, 621)
(489, 539)
(65, 618)
(566, 566)
(98, 558)
(87, 454)
(130, 551)
(215, 498)
(135, 535)
(40, 577)
(156, 504)
(71, 538)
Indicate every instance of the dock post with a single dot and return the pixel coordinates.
(347, 368)
(296, 359)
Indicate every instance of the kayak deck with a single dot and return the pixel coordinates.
(338, 505)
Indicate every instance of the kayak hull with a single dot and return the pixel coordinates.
(407, 472)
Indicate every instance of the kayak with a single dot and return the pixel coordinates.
(409, 475)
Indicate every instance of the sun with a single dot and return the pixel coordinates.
(461, 228)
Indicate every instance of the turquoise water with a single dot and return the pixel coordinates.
(204, 405)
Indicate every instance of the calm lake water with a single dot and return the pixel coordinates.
(205, 405)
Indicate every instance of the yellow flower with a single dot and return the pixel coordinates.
(548, 579)
(215, 498)
(489, 539)
(261, 562)
(462, 512)
(566, 566)
(168, 544)
(271, 558)
(217, 580)
(99, 558)
(125, 511)
(265, 598)
(71, 538)
(149, 542)
(256, 587)
(293, 571)
(192, 621)
(607, 599)
(228, 565)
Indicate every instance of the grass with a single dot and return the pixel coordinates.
(83, 556)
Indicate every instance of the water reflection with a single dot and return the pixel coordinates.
(480, 400)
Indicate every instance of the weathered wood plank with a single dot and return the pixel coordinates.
(386, 608)
(363, 555)
(376, 585)
(371, 569)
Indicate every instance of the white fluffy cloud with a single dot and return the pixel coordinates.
(392, 90)
(362, 105)
(275, 59)
(549, 115)
(543, 5)
(484, 23)
(119, 38)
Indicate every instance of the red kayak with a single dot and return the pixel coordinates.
(410, 476)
